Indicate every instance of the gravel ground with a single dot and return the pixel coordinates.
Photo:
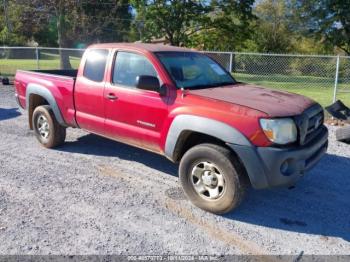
(96, 196)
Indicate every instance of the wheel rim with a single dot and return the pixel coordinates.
(43, 126)
(208, 181)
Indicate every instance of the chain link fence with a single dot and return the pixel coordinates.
(323, 78)
(13, 58)
(344, 76)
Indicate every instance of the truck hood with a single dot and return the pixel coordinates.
(272, 102)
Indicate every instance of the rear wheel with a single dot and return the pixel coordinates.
(46, 128)
(212, 178)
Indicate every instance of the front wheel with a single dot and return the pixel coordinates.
(46, 128)
(212, 178)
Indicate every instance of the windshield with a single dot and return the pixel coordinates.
(192, 70)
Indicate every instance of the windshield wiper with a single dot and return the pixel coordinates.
(227, 83)
(200, 86)
(210, 85)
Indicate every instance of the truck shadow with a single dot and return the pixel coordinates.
(319, 204)
(8, 113)
(96, 145)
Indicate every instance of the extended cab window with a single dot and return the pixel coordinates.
(128, 66)
(95, 64)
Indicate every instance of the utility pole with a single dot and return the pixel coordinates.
(7, 20)
(140, 26)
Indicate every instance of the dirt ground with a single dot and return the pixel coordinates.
(96, 196)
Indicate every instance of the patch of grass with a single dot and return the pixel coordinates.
(318, 88)
(8, 67)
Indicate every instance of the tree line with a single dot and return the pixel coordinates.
(275, 26)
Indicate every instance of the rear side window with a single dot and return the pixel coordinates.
(95, 64)
(128, 66)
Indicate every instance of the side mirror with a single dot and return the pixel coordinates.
(148, 83)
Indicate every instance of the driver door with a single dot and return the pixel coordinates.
(133, 116)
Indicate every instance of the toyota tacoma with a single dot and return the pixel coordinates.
(182, 104)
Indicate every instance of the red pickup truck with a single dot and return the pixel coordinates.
(182, 104)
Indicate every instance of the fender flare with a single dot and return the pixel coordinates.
(47, 95)
(220, 130)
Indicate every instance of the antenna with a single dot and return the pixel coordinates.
(183, 92)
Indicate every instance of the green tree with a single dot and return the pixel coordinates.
(272, 33)
(327, 20)
(38, 14)
(176, 20)
(67, 23)
(280, 28)
(10, 28)
(231, 24)
(71, 22)
(105, 21)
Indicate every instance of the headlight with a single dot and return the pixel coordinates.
(280, 131)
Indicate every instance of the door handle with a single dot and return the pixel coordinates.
(112, 96)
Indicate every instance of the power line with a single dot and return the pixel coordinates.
(92, 3)
(48, 12)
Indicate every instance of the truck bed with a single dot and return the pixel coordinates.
(58, 83)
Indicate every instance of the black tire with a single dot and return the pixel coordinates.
(342, 134)
(224, 161)
(5, 81)
(56, 133)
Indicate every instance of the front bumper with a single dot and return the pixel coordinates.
(274, 167)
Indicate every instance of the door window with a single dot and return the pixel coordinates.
(127, 66)
(95, 64)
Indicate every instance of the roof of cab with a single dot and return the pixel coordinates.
(142, 46)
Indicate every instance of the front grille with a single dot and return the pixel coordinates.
(314, 127)
(310, 123)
